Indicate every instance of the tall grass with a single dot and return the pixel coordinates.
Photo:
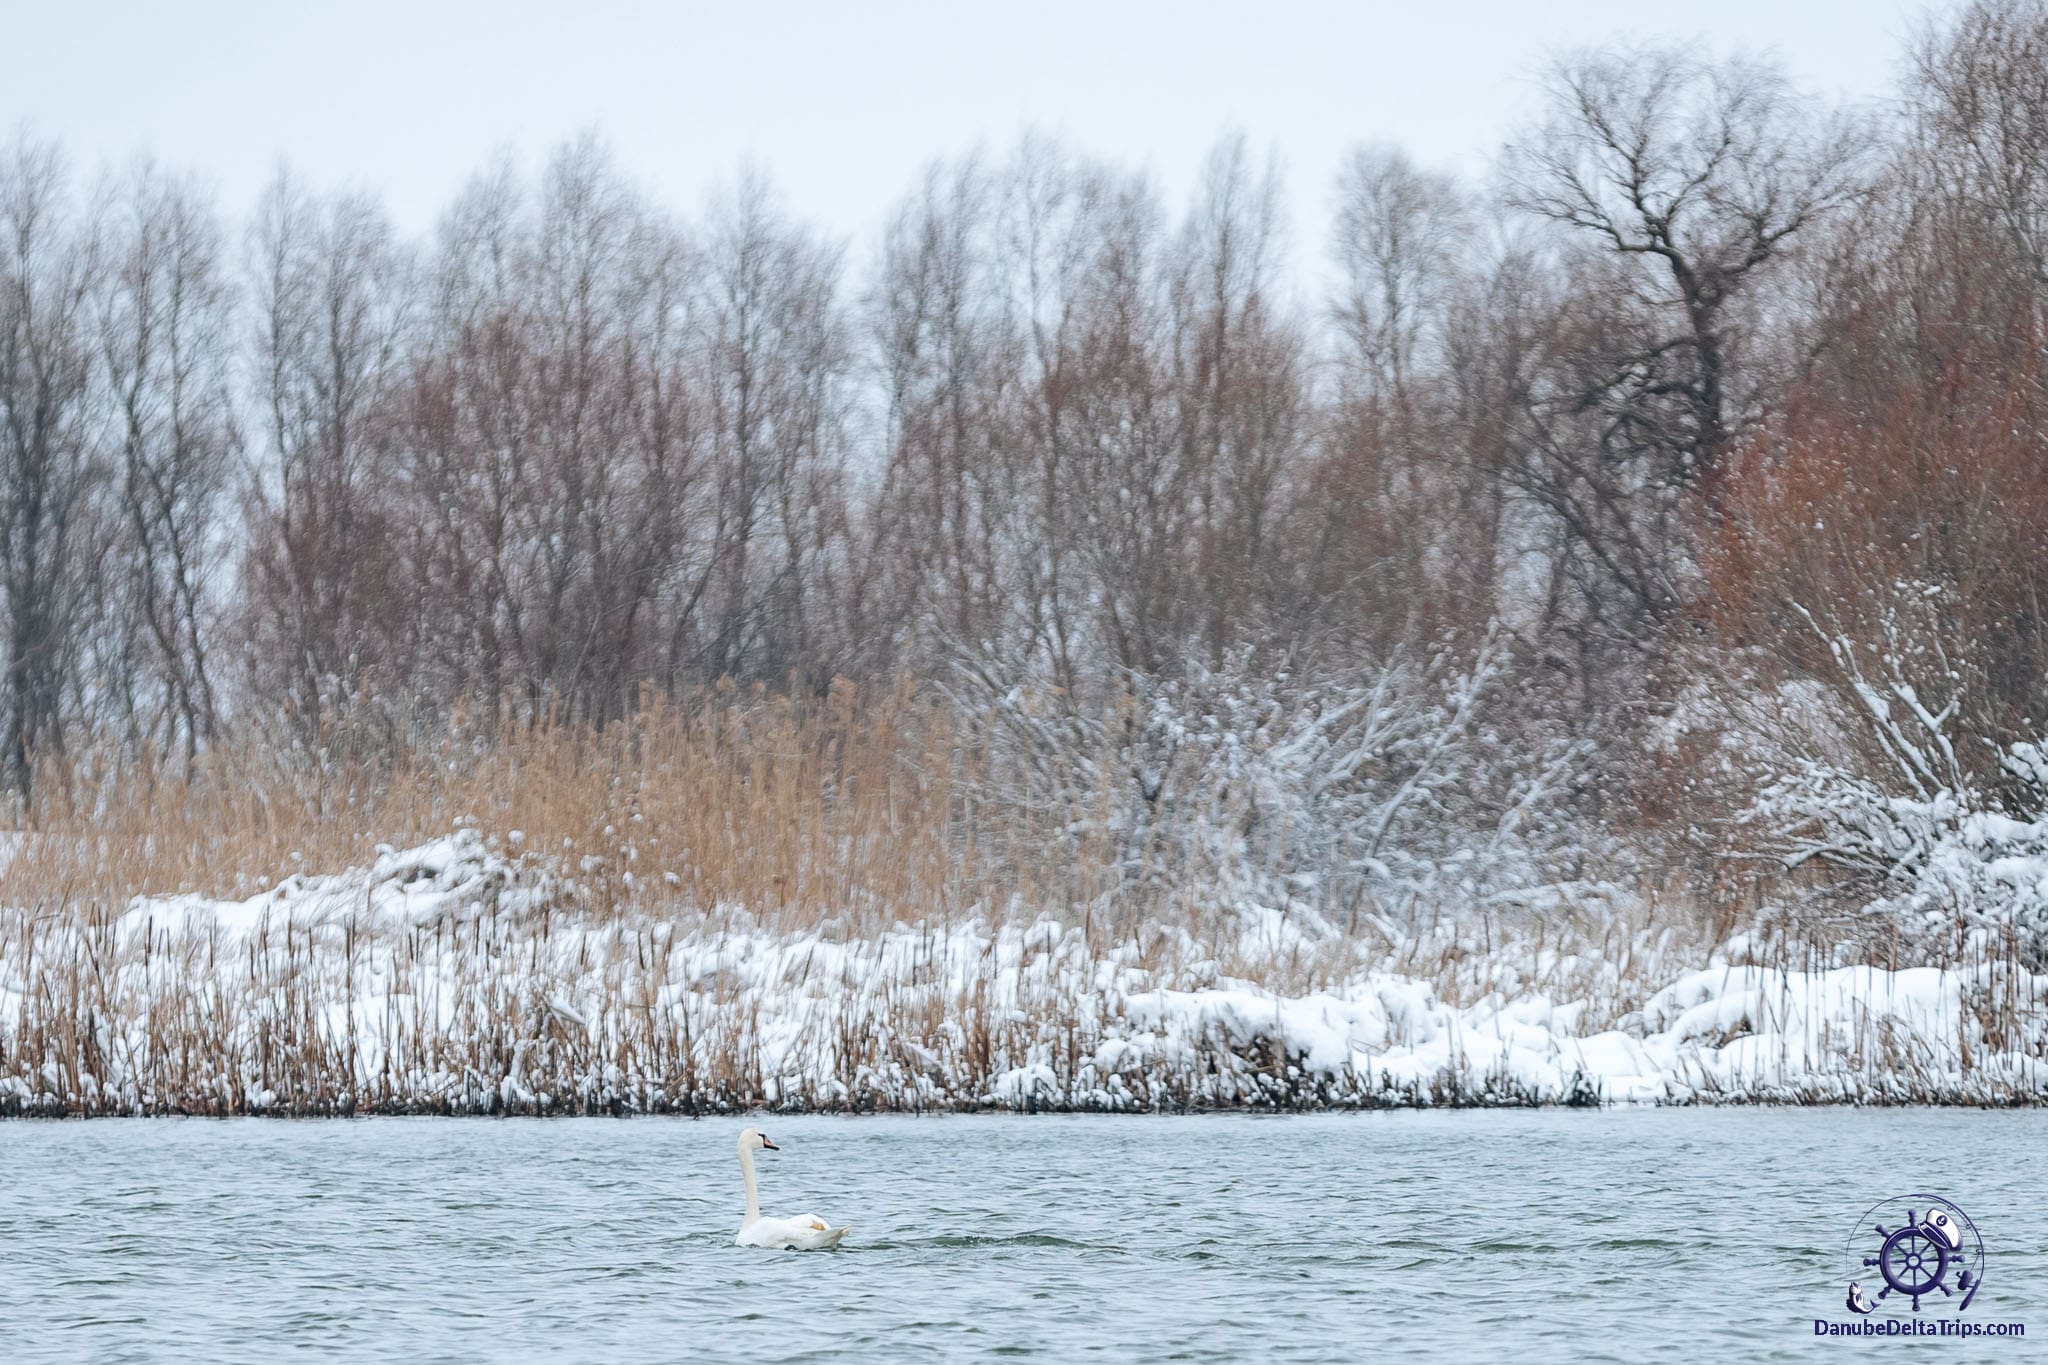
(804, 811)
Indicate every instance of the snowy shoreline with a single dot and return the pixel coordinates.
(446, 980)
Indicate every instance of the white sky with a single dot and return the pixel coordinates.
(841, 103)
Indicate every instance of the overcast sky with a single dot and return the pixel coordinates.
(841, 103)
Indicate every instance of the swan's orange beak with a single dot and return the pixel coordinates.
(769, 1145)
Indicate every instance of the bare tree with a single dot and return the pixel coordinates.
(593, 549)
(1980, 88)
(1400, 236)
(942, 529)
(466, 448)
(1688, 181)
(552, 448)
(1699, 175)
(774, 357)
(166, 345)
(330, 298)
(1400, 513)
(49, 470)
(1239, 362)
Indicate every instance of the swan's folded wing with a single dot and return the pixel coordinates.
(803, 1233)
(816, 1234)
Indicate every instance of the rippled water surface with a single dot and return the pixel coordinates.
(1454, 1236)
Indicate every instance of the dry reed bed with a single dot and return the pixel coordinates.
(795, 808)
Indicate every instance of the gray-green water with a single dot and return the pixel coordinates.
(1451, 1236)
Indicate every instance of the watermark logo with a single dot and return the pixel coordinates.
(1915, 1247)
(1914, 1265)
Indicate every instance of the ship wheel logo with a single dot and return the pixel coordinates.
(1921, 1248)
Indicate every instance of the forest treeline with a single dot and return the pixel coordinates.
(1684, 476)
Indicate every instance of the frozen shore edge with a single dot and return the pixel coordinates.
(444, 980)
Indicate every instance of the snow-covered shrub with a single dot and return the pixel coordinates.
(1338, 801)
(1880, 793)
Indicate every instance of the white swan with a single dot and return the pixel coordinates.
(807, 1233)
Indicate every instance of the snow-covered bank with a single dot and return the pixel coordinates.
(448, 979)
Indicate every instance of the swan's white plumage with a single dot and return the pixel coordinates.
(808, 1232)
(790, 1234)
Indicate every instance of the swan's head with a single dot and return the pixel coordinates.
(752, 1140)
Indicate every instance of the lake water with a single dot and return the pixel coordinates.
(1421, 1236)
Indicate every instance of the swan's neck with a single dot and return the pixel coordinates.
(753, 1200)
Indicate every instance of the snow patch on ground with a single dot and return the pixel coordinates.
(442, 881)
